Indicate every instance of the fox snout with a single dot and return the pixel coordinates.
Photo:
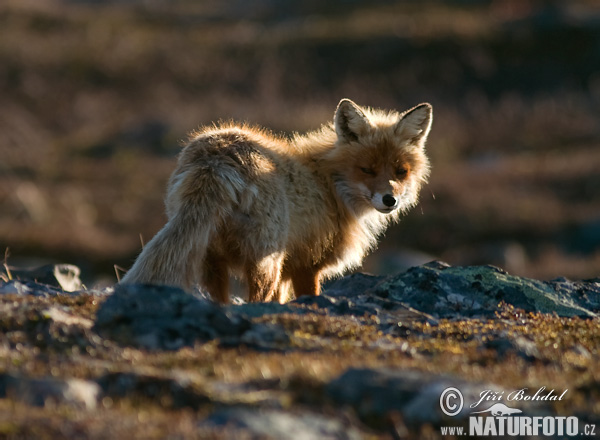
(385, 203)
(389, 200)
(383, 198)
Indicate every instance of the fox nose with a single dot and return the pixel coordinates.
(389, 200)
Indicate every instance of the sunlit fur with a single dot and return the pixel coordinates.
(285, 213)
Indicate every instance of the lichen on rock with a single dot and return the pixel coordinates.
(475, 291)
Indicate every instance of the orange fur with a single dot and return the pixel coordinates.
(285, 213)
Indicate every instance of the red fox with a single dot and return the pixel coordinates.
(285, 213)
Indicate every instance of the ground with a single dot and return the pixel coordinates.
(359, 362)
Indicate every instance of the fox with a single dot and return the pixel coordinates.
(285, 213)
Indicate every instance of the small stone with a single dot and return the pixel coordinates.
(39, 392)
(63, 276)
(278, 424)
(168, 392)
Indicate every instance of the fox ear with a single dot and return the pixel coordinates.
(350, 121)
(416, 123)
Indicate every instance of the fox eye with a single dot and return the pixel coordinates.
(400, 172)
(369, 171)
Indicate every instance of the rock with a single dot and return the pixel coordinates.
(165, 391)
(41, 323)
(168, 318)
(475, 291)
(521, 346)
(255, 310)
(351, 296)
(378, 394)
(353, 284)
(63, 276)
(39, 392)
(14, 287)
(265, 336)
(161, 317)
(277, 424)
(586, 293)
(32, 288)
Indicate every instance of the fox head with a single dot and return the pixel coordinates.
(379, 159)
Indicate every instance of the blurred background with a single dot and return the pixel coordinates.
(96, 95)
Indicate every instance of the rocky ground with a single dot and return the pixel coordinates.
(367, 359)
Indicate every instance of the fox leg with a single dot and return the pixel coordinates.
(306, 281)
(215, 277)
(263, 278)
(284, 293)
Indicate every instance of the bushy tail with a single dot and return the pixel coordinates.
(176, 254)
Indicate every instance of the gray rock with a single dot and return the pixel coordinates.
(15, 287)
(504, 345)
(351, 296)
(357, 283)
(255, 310)
(265, 336)
(45, 324)
(377, 394)
(374, 394)
(475, 291)
(167, 392)
(39, 392)
(63, 276)
(168, 318)
(277, 424)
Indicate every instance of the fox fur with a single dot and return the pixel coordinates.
(285, 213)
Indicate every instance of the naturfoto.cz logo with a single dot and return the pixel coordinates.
(496, 418)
